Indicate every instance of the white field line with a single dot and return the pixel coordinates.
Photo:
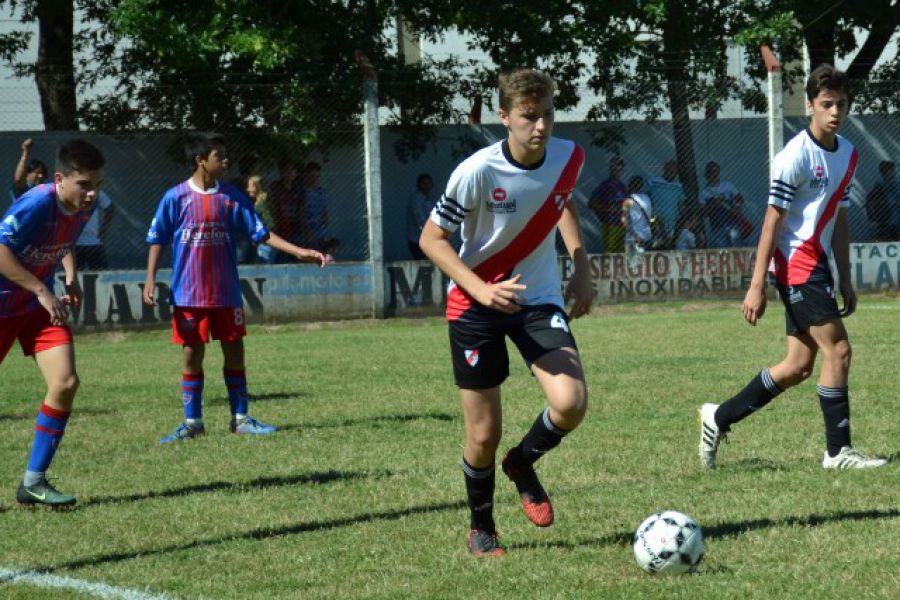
(89, 588)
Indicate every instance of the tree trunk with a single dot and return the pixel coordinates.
(879, 36)
(676, 52)
(55, 67)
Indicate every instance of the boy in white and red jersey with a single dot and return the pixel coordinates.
(508, 199)
(806, 218)
(37, 233)
(201, 218)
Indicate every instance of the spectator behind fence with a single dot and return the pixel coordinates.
(29, 172)
(721, 203)
(263, 204)
(315, 211)
(287, 196)
(637, 218)
(90, 253)
(418, 208)
(666, 193)
(606, 202)
(883, 204)
(687, 237)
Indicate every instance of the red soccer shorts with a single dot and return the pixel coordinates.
(192, 326)
(34, 332)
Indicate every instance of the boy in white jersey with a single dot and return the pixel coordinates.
(508, 199)
(806, 217)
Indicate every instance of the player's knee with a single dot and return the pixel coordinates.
(485, 441)
(843, 352)
(66, 386)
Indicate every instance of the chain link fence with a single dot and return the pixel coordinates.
(312, 196)
(315, 194)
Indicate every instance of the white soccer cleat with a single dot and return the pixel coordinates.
(710, 436)
(849, 458)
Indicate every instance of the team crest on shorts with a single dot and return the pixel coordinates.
(188, 323)
(471, 357)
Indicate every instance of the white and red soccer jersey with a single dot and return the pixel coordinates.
(508, 214)
(811, 183)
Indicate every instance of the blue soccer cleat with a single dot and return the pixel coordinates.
(250, 426)
(183, 432)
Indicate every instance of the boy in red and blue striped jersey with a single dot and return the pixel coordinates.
(201, 218)
(37, 233)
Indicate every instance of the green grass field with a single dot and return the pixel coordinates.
(360, 494)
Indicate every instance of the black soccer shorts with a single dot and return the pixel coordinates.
(807, 304)
(478, 342)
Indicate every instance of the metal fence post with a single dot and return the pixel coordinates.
(372, 143)
(776, 103)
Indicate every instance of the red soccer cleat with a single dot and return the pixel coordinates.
(535, 501)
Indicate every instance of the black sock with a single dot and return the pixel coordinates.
(759, 392)
(543, 437)
(480, 492)
(835, 403)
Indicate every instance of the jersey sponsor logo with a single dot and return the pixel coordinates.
(558, 321)
(44, 254)
(205, 234)
(471, 357)
(819, 180)
(500, 203)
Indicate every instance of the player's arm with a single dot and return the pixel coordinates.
(755, 300)
(19, 174)
(840, 244)
(580, 286)
(12, 269)
(301, 254)
(504, 296)
(73, 293)
(152, 266)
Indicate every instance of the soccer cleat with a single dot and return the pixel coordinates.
(482, 543)
(250, 426)
(710, 436)
(183, 432)
(45, 494)
(535, 501)
(849, 458)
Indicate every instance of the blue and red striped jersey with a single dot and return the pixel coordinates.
(40, 233)
(202, 226)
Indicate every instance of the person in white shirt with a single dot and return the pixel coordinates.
(722, 204)
(806, 219)
(509, 200)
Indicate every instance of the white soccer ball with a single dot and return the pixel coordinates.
(668, 542)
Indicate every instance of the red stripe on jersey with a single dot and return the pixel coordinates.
(498, 266)
(805, 258)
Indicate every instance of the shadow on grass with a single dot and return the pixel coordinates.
(723, 530)
(78, 412)
(237, 486)
(256, 534)
(377, 421)
(269, 397)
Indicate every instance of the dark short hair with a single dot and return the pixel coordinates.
(826, 77)
(201, 144)
(78, 155)
(34, 164)
(529, 85)
(711, 165)
(422, 177)
(885, 166)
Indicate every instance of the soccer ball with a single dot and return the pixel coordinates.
(668, 542)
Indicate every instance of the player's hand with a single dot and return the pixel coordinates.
(581, 288)
(26, 145)
(754, 305)
(313, 256)
(503, 296)
(149, 289)
(73, 295)
(850, 300)
(59, 314)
